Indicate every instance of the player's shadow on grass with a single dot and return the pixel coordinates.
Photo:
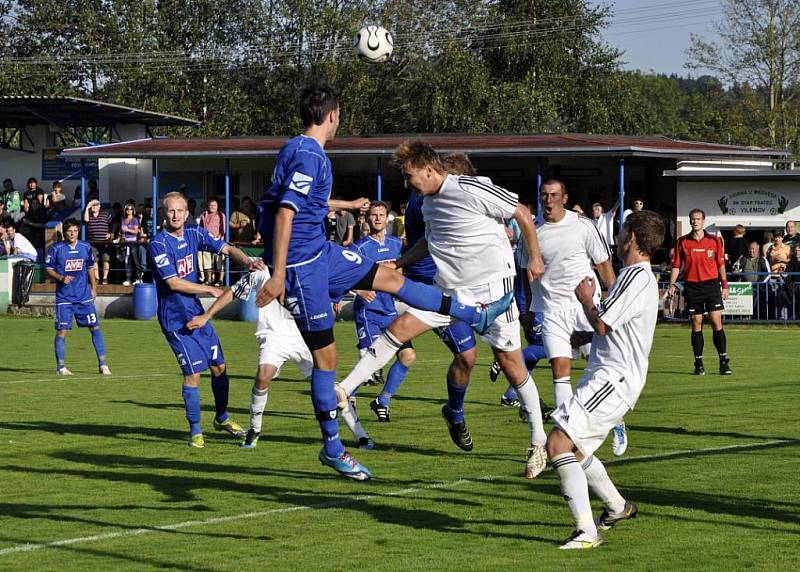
(96, 430)
(694, 432)
(210, 409)
(22, 370)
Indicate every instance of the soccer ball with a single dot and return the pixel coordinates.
(373, 44)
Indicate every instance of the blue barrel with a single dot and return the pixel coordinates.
(248, 311)
(145, 301)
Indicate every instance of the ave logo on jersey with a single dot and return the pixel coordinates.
(301, 183)
(73, 265)
(185, 266)
(161, 260)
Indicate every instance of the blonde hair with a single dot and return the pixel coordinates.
(172, 197)
(418, 154)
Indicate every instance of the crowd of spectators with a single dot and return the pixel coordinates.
(346, 227)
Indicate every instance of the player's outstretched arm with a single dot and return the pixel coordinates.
(336, 204)
(276, 285)
(240, 257)
(185, 287)
(606, 273)
(585, 294)
(413, 254)
(219, 304)
(535, 263)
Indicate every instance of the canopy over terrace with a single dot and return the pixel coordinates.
(538, 148)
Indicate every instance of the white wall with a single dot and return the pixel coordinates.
(752, 203)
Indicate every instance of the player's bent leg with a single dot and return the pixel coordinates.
(397, 374)
(562, 382)
(458, 376)
(575, 489)
(428, 298)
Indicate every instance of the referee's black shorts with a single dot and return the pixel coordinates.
(702, 297)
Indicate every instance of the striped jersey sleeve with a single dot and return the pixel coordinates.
(498, 202)
(625, 296)
(241, 289)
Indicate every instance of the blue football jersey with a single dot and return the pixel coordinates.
(415, 231)
(386, 251)
(172, 255)
(72, 261)
(301, 181)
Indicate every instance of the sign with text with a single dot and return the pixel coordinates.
(58, 168)
(740, 299)
(752, 202)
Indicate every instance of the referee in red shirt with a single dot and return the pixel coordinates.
(702, 256)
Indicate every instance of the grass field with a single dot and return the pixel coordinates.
(95, 473)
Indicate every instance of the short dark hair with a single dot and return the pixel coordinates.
(648, 227)
(8, 223)
(316, 102)
(695, 211)
(69, 223)
(552, 181)
(374, 204)
(459, 164)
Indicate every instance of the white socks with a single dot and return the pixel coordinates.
(601, 485)
(374, 358)
(350, 417)
(575, 490)
(562, 390)
(528, 396)
(258, 402)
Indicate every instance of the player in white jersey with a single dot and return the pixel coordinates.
(614, 377)
(570, 244)
(466, 238)
(278, 338)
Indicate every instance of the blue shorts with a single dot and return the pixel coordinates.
(310, 286)
(370, 326)
(458, 336)
(196, 350)
(84, 313)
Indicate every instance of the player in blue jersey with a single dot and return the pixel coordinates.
(374, 311)
(308, 271)
(173, 256)
(68, 263)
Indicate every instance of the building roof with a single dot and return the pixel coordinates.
(382, 145)
(27, 110)
(732, 174)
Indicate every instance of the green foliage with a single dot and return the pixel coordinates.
(470, 66)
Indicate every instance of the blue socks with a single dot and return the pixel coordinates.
(61, 351)
(455, 401)
(99, 345)
(532, 354)
(323, 397)
(396, 376)
(510, 393)
(429, 298)
(191, 400)
(219, 385)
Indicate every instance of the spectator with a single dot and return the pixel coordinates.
(59, 210)
(243, 222)
(791, 284)
(576, 208)
(92, 192)
(55, 195)
(766, 244)
(32, 189)
(330, 226)
(16, 245)
(10, 198)
(779, 254)
(752, 267)
(737, 246)
(98, 233)
(345, 223)
(604, 221)
(791, 237)
(214, 222)
(34, 220)
(4, 216)
(129, 244)
(400, 223)
(638, 204)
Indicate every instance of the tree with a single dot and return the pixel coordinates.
(760, 46)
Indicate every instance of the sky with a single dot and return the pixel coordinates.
(655, 34)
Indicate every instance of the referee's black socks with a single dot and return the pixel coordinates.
(721, 342)
(697, 344)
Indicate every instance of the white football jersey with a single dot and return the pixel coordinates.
(568, 247)
(466, 235)
(631, 311)
(273, 319)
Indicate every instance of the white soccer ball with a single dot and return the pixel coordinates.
(373, 44)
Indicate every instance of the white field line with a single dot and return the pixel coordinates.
(98, 377)
(351, 500)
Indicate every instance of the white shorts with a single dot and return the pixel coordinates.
(503, 334)
(594, 410)
(276, 352)
(557, 329)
